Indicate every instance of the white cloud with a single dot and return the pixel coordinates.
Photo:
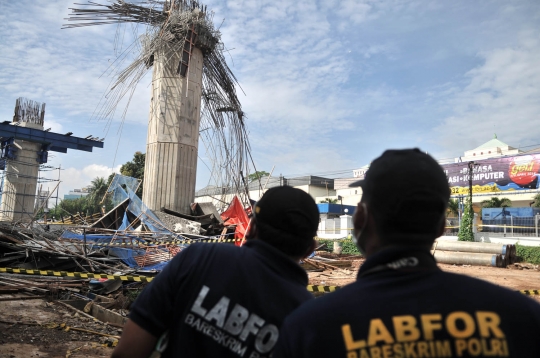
(355, 10)
(291, 66)
(53, 125)
(501, 96)
(98, 170)
(328, 83)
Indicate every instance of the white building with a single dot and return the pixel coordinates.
(317, 187)
(491, 149)
(77, 193)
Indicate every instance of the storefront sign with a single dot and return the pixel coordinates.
(495, 174)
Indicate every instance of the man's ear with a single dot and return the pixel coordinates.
(359, 216)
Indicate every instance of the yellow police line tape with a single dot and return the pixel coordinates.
(75, 274)
(170, 242)
(311, 288)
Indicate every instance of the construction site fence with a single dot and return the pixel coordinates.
(507, 226)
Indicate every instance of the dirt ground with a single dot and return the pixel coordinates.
(44, 337)
(516, 276)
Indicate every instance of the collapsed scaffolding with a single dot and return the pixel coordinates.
(129, 238)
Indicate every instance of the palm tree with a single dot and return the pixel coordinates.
(497, 203)
(97, 190)
(453, 207)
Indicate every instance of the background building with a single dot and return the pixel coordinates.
(77, 193)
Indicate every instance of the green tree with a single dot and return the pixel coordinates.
(257, 175)
(98, 188)
(70, 207)
(135, 169)
(96, 199)
(85, 205)
(465, 229)
(536, 202)
(497, 203)
(110, 178)
(453, 207)
(329, 201)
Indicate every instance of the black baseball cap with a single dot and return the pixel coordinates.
(408, 187)
(288, 211)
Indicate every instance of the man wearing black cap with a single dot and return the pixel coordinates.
(218, 300)
(402, 304)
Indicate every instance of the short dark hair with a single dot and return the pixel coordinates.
(287, 218)
(407, 192)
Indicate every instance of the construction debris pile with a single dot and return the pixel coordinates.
(129, 239)
(89, 272)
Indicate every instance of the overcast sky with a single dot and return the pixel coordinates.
(329, 85)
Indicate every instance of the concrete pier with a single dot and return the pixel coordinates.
(173, 133)
(20, 180)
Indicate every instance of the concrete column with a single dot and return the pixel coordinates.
(173, 133)
(346, 225)
(20, 181)
(322, 227)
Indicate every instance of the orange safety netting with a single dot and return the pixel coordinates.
(236, 215)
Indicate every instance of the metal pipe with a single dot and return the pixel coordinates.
(536, 222)
(84, 239)
(512, 224)
(478, 247)
(468, 258)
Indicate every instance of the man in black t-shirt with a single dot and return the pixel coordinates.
(402, 304)
(219, 300)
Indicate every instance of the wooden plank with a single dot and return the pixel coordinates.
(8, 290)
(21, 298)
(321, 264)
(9, 238)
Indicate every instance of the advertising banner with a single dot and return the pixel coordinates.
(495, 174)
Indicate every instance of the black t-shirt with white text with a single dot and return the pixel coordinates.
(218, 300)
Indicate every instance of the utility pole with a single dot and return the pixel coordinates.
(326, 183)
(471, 167)
(58, 188)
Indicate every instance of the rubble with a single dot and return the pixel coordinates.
(180, 225)
(128, 243)
(90, 269)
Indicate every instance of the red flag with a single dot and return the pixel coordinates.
(236, 215)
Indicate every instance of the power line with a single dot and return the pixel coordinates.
(338, 174)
